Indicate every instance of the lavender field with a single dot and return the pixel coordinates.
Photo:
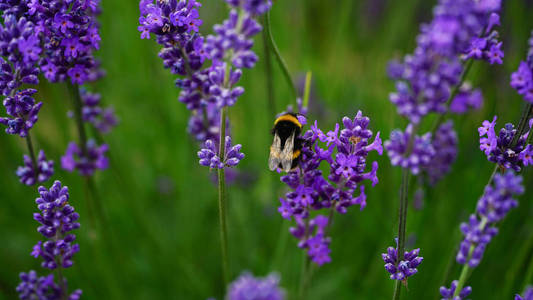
(266, 149)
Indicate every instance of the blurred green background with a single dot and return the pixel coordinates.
(161, 237)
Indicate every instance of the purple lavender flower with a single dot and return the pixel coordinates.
(209, 155)
(492, 207)
(248, 287)
(466, 99)
(34, 287)
(415, 156)
(500, 148)
(19, 53)
(445, 145)
(425, 78)
(85, 163)
(253, 7)
(447, 294)
(312, 190)
(29, 176)
(401, 270)
(70, 36)
(23, 111)
(103, 119)
(528, 295)
(522, 79)
(57, 218)
(233, 37)
(205, 89)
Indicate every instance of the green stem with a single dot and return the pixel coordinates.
(78, 116)
(529, 274)
(303, 276)
(401, 226)
(454, 92)
(268, 73)
(523, 123)
(222, 199)
(279, 58)
(307, 89)
(32, 155)
(462, 279)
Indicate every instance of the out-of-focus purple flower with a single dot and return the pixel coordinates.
(500, 149)
(406, 152)
(458, 31)
(220, 94)
(248, 287)
(103, 119)
(342, 188)
(34, 287)
(253, 7)
(466, 99)
(492, 207)
(23, 112)
(407, 267)
(209, 155)
(28, 175)
(522, 79)
(447, 294)
(528, 294)
(85, 163)
(445, 145)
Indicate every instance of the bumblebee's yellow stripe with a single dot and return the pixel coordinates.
(289, 118)
(296, 153)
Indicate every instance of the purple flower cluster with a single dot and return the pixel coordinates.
(407, 267)
(86, 161)
(209, 68)
(342, 188)
(466, 99)
(57, 218)
(19, 53)
(447, 294)
(522, 79)
(528, 295)
(500, 148)
(492, 207)
(248, 287)
(459, 29)
(408, 151)
(69, 32)
(209, 157)
(103, 119)
(23, 111)
(30, 174)
(445, 145)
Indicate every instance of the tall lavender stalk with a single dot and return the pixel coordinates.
(209, 70)
(432, 79)
(492, 207)
(20, 51)
(57, 218)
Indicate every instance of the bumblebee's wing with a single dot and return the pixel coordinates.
(286, 154)
(275, 152)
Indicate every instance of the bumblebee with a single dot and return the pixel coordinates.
(286, 148)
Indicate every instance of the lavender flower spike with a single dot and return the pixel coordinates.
(248, 287)
(522, 79)
(28, 175)
(57, 218)
(447, 294)
(401, 270)
(528, 294)
(209, 155)
(86, 164)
